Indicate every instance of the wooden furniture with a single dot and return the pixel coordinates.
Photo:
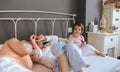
(104, 42)
(112, 16)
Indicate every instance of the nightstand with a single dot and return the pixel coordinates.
(105, 42)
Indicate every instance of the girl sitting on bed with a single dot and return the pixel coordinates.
(77, 39)
(56, 55)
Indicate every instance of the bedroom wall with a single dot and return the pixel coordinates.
(89, 10)
(26, 27)
(67, 6)
(93, 11)
(86, 10)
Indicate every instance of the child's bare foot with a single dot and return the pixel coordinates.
(87, 65)
(100, 54)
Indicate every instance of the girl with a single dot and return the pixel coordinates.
(77, 38)
(57, 55)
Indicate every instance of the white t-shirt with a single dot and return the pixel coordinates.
(45, 55)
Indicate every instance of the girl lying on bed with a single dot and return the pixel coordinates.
(15, 55)
(77, 38)
(57, 55)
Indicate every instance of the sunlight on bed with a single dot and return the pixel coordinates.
(101, 64)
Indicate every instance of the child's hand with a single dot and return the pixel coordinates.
(83, 43)
(41, 37)
(33, 38)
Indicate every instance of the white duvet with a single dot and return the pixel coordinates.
(101, 64)
(9, 65)
(98, 64)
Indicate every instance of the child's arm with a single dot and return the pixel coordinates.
(52, 38)
(36, 56)
(83, 41)
(37, 52)
(33, 41)
(70, 39)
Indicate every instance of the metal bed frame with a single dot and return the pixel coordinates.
(36, 19)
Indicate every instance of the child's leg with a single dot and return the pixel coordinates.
(100, 53)
(88, 50)
(62, 63)
(75, 57)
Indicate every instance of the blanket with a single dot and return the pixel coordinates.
(9, 65)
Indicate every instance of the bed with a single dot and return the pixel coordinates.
(98, 64)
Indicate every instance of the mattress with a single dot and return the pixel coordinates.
(101, 64)
(98, 64)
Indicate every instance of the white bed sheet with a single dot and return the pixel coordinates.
(101, 64)
(98, 64)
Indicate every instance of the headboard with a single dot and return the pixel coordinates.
(66, 17)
